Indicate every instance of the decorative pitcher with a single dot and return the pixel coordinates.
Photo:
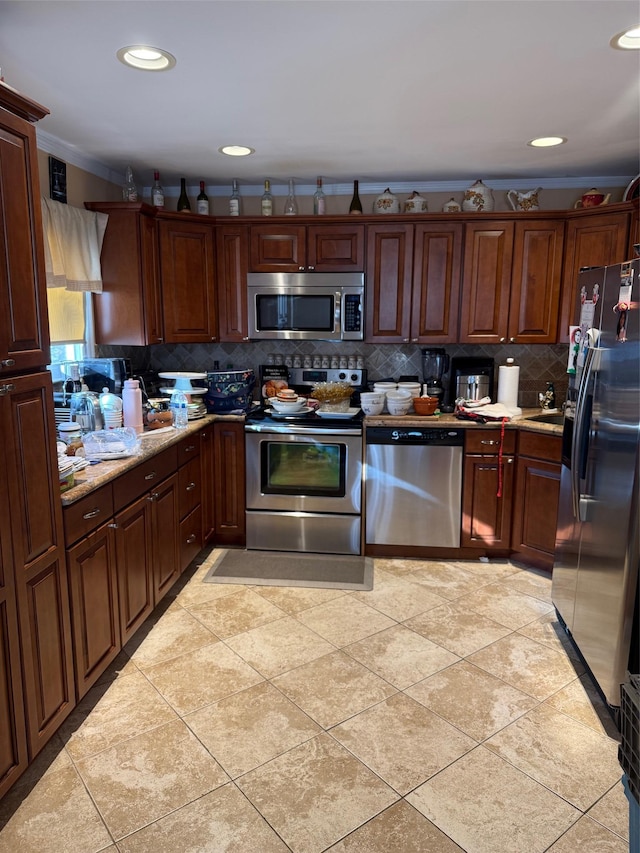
(593, 198)
(524, 201)
(478, 197)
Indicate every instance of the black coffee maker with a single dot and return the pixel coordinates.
(435, 363)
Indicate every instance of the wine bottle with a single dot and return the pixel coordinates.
(319, 199)
(157, 193)
(267, 200)
(234, 200)
(290, 204)
(356, 205)
(183, 199)
(202, 201)
(129, 190)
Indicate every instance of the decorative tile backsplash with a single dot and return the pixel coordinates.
(539, 363)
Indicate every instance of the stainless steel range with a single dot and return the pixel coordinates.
(304, 480)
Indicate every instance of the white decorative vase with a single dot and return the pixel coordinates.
(478, 197)
(386, 203)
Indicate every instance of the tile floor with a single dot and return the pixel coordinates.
(441, 712)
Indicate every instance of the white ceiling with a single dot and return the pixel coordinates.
(431, 91)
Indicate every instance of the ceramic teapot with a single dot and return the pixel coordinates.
(524, 201)
(593, 198)
(415, 204)
(478, 197)
(386, 203)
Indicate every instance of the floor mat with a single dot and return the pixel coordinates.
(279, 568)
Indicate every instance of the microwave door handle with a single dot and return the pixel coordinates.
(338, 312)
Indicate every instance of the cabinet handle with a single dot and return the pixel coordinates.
(191, 539)
(512, 340)
(300, 269)
(190, 448)
(160, 340)
(153, 496)
(113, 525)
(247, 338)
(487, 467)
(488, 441)
(150, 476)
(92, 513)
(190, 487)
(310, 268)
(8, 362)
(502, 340)
(5, 389)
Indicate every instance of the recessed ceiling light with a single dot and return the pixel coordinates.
(628, 40)
(236, 150)
(547, 141)
(146, 58)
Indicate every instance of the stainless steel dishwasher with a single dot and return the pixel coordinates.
(413, 485)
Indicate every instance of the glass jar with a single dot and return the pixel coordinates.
(70, 432)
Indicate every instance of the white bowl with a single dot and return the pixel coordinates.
(372, 397)
(369, 407)
(288, 406)
(385, 386)
(399, 394)
(399, 407)
(413, 387)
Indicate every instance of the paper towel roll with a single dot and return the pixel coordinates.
(508, 381)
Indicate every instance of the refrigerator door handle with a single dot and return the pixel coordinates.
(581, 423)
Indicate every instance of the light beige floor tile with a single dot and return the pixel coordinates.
(398, 598)
(292, 599)
(567, 757)
(196, 591)
(507, 606)
(198, 678)
(448, 580)
(589, 837)
(401, 567)
(487, 806)
(402, 741)
(315, 794)
(472, 700)
(457, 629)
(580, 700)
(549, 631)
(344, 620)
(612, 811)
(236, 613)
(174, 634)
(279, 646)
(142, 779)
(122, 665)
(399, 829)
(220, 822)
(530, 582)
(250, 728)
(57, 815)
(401, 656)
(333, 688)
(532, 667)
(112, 713)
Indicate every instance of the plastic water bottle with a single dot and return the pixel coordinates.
(132, 405)
(179, 409)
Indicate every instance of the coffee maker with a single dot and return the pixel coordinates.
(435, 363)
(471, 378)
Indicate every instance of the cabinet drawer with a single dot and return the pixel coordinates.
(188, 449)
(547, 447)
(144, 477)
(488, 441)
(190, 538)
(87, 514)
(190, 487)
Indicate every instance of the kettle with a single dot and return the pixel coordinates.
(85, 411)
(524, 201)
(592, 198)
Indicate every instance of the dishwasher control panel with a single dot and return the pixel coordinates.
(415, 435)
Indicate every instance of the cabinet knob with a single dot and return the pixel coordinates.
(190, 448)
(113, 525)
(191, 539)
(153, 496)
(414, 340)
(512, 340)
(502, 340)
(247, 338)
(310, 268)
(150, 476)
(300, 269)
(8, 362)
(6, 389)
(160, 340)
(190, 487)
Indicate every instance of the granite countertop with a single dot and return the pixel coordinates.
(93, 476)
(441, 420)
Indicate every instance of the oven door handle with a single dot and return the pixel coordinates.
(291, 429)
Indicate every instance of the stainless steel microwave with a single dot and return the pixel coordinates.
(306, 306)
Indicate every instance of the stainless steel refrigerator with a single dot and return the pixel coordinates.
(595, 574)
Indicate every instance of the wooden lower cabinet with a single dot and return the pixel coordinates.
(208, 469)
(229, 489)
(189, 511)
(487, 490)
(13, 739)
(536, 496)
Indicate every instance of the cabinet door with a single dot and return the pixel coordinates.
(24, 327)
(229, 484)
(232, 257)
(187, 280)
(134, 541)
(436, 283)
(164, 500)
(389, 274)
(591, 241)
(129, 310)
(535, 282)
(94, 606)
(335, 248)
(208, 478)
(535, 511)
(486, 518)
(486, 282)
(278, 248)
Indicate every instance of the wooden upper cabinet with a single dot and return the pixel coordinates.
(324, 247)
(535, 282)
(486, 282)
(129, 310)
(232, 262)
(24, 327)
(591, 241)
(389, 272)
(187, 279)
(436, 283)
